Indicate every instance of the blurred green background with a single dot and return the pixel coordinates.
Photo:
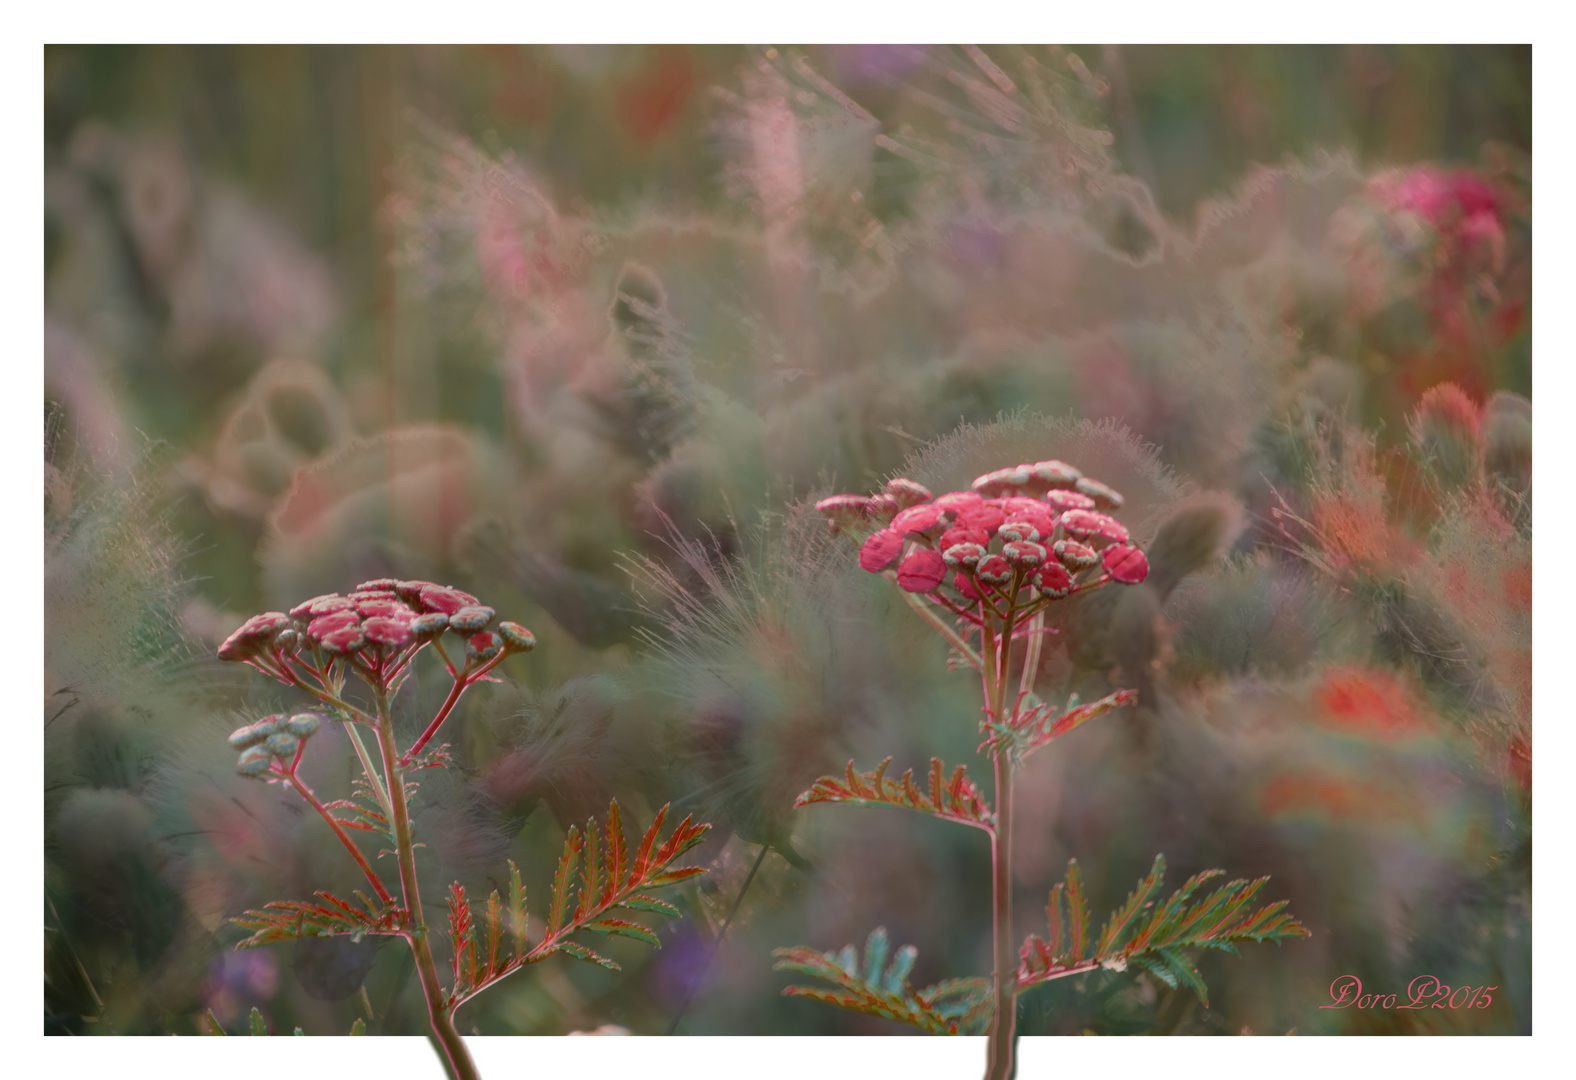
(583, 329)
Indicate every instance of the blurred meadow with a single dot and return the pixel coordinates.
(586, 331)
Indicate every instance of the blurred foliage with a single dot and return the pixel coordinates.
(585, 329)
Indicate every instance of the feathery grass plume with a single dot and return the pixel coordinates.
(1447, 431)
(1507, 446)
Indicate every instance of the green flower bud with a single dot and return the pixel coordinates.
(254, 762)
(303, 725)
(516, 638)
(282, 745)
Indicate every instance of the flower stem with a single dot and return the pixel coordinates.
(999, 1051)
(457, 1057)
(344, 838)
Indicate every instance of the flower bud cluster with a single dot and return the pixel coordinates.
(273, 738)
(1033, 527)
(380, 620)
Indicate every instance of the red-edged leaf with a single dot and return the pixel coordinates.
(958, 800)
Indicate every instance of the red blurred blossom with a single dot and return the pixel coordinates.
(880, 550)
(1518, 756)
(1126, 564)
(1449, 405)
(1336, 797)
(1365, 701)
(921, 572)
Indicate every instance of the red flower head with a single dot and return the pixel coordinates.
(1053, 580)
(1014, 478)
(843, 510)
(1076, 556)
(346, 639)
(1095, 528)
(921, 572)
(964, 554)
(253, 634)
(988, 518)
(907, 492)
(1068, 500)
(958, 500)
(1024, 553)
(381, 630)
(882, 508)
(1126, 564)
(924, 520)
(880, 550)
(1104, 497)
(327, 624)
(1053, 475)
(994, 570)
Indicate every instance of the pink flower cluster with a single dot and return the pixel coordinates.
(375, 629)
(1039, 527)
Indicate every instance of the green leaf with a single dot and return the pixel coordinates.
(255, 1022)
(580, 952)
(358, 1026)
(566, 867)
(650, 903)
(879, 987)
(1078, 910)
(518, 919)
(213, 1025)
(625, 928)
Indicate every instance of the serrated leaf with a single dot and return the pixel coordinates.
(651, 903)
(289, 920)
(358, 1026)
(1217, 921)
(877, 987)
(955, 800)
(580, 952)
(255, 1022)
(1078, 911)
(213, 1027)
(566, 867)
(1123, 916)
(627, 929)
(518, 918)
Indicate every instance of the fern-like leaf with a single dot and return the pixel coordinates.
(954, 798)
(288, 920)
(878, 986)
(608, 881)
(1154, 937)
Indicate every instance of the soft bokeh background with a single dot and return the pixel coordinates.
(583, 329)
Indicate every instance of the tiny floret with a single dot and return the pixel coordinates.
(516, 637)
(304, 725)
(880, 550)
(1126, 564)
(908, 492)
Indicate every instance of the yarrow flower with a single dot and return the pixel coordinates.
(374, 632)
(1033, 530)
